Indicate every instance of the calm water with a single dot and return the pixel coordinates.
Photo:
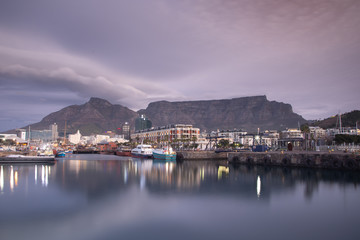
(109, 197)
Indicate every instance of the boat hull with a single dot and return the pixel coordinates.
(169, 157)
(124, 154)
(141, 155)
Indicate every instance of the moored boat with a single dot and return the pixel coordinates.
(166, 153)
(123, 151)
(62, 153)
(143, 151)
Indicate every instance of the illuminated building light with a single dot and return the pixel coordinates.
(2, 179)
(16, 178)
(11, 179)
(258, 186)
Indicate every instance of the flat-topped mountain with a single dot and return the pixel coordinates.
(247, 113)
(95, 116)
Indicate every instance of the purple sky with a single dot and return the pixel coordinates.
(131, 52)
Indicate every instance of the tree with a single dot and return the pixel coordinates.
(223, 143)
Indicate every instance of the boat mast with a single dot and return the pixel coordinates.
(65, 134)
(340, 123)
(29, 139)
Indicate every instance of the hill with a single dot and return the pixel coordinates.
(96, 116)
(347, 119)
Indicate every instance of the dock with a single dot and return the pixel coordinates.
(25, 157)
(320, 160)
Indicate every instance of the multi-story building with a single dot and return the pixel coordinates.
(167, 133)
(75, 138)
(142, 123)
(54, 132)
(21, 133)
(126, 130)
(270, 138)
(291, 136)
(40, 135)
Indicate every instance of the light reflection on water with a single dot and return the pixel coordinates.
(109, 197)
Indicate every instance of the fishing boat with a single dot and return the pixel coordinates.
(62, 153)
(166, 153)
(123, 151)
(143, 151)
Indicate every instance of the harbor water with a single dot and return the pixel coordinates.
(110, 197)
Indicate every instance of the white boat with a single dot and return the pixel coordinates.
(166, 153)
(142, 150)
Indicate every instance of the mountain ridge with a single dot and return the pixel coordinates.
(249, 113)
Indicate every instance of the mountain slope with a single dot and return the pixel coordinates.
(95, 116)
(347, 120)
(248, 113)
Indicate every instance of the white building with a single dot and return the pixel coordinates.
(167, 133)
(75, 138)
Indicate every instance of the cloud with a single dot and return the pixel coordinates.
(303, 52)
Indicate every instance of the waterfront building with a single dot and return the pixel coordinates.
(291, 136)
(169, 133)
(118, 138)
(142, 123)
(40, 135)
(21, 133)
(75, 138)
(230, 135)
(126, 130)
(270, 138)
(54, 132)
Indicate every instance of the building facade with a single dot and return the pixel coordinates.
(167, 133)
(125, 130)
(142, 123)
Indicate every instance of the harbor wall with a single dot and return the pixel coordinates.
(324, 160)
(201, 155)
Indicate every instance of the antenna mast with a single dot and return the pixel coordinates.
(65, 134)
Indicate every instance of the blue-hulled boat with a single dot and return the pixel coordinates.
(166, 153)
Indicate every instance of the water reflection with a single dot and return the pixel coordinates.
(15, 176)
(98, 198)
(98, 177)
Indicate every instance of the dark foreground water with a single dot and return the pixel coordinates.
(109, 197)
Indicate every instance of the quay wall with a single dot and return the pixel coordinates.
(324, 160)
(200, 155)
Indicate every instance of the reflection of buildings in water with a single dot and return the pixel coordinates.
(258, 186)
(1, 179)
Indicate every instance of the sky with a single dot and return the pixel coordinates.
(132, 52)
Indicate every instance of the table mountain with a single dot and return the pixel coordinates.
(248, 113)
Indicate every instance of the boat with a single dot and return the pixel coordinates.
(143, 151)
(166, 153)
(62, 153)
(123, 151)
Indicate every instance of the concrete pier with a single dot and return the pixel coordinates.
(298, 159)
(333, 160)
(200, 155)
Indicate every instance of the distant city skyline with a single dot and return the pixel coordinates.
(57, 53)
